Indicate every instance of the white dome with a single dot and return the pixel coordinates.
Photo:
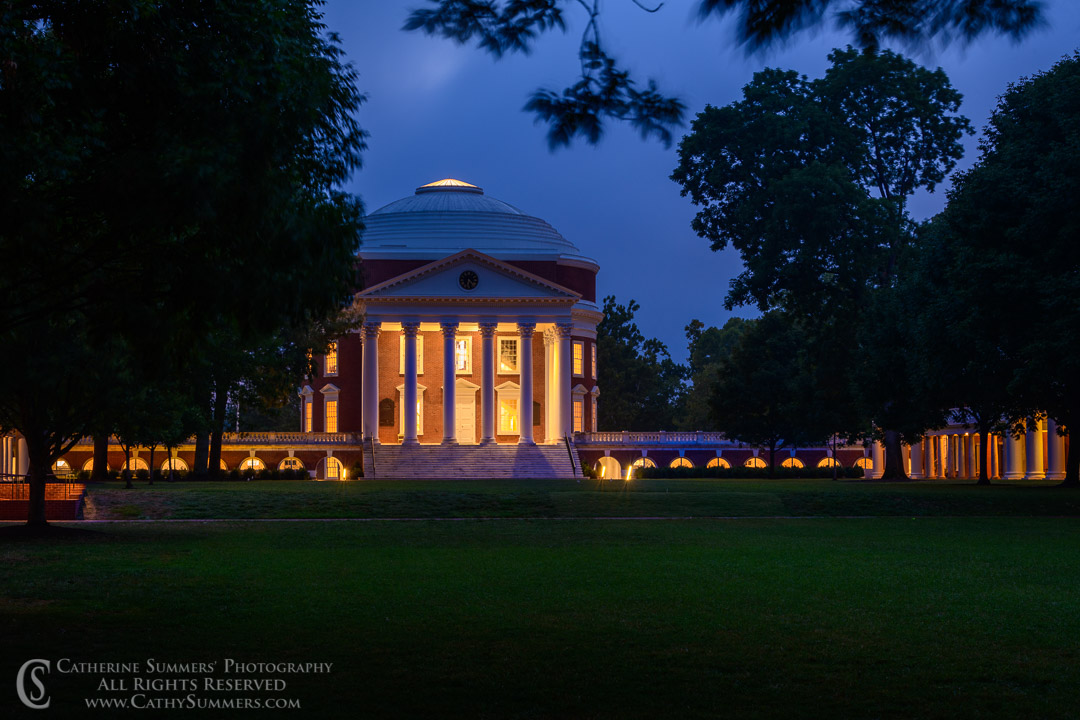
(450, 215)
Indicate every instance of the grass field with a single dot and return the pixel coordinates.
(904, 615)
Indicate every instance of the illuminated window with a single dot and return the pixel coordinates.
(331, 416)
(508, 415)
(608, 468)
(792, 463)
(643, 462)
(593, 422)
(827, 463)
(718, 463)
(579, 413)
(61, 467)
(291, 463)
(137, 464)
(174, 465)
(419, 354)
(594, 360)
(864, 463)
(579, 358)
(307, 414)
(508, 355)
(224, 466)
(681, 462)
(331, 359)
(252, 463)
(334, 469)
(420, 389)
(754, 462)
(463, 356)
(88, 466)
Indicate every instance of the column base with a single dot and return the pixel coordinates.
(1013, 476)
(410, 442)
(1035, 476)
(525, 441)
(488, 441)
(1055, 476)
(916, 476)
(449, 441)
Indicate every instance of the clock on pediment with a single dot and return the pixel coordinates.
(468, 280)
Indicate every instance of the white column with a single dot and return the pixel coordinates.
(1014, 457)
(1036, 470)
(965, 457)
(917, 471)
(23, 459)
(487, 384)
(410, 330)
(993, 465)
(877, 454)
(562, 383)
(1055, 452)
(449, 379)
(525, 399)
(370, 335)
(550, 433)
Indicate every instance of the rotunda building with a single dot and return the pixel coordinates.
(479, 329)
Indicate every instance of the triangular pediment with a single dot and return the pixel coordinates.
(468, 276)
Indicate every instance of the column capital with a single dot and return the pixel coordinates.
(487, 329)
(563, 329)
(370, 329)
(549, 336)
(449, 329)
(526, 329)
(410, 329)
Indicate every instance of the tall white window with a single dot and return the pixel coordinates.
(419, 354)
(579, 414)
(593, 422)
(594, 360)
(579, 358)
(307, 414)
(463, 356)
(331, 416)
(420, 390)
(507, 398)
(331, 359)
(508, 355)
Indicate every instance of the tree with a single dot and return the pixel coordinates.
(167, 170)
(764, 391)
(643, 386)
(809, 181)
(1012, 221)
(708, 347)
(606, 90)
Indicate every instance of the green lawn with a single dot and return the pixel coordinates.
(570, 499)
(886, 617)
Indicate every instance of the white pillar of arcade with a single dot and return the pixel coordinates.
(410, 331)
(487, 383)
(965, 457)
(1036, 470)
(562, 389)
(449, 409)
(1055, 452)
(550, 402)
(917, 472)
(23, 459)
(877, 455)
(525, 400)
(1014, 457)
(369, 333)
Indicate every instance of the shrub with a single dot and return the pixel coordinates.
(356, 471)
(142, 474)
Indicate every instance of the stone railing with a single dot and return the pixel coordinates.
(661, 437)
(272, 438)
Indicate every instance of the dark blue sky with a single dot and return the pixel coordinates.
(436, 109)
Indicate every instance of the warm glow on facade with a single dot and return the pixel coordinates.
(331, 416)
(331, 359)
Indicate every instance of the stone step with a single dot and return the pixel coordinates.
(471, 461)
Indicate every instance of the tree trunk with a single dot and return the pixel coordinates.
(127, 467)
(100, 471)
(202, 454)
(220, 400)
(37, 476)
(984, 455)
(894, 457)
(152, 448)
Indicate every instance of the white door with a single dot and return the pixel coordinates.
(465, 413)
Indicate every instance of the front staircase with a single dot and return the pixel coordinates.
(471, 461)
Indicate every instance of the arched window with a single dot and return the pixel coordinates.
(718, 463)
(61, 467)
(828, 462)
(252, 463)
(137, 464)
(224, 466)
(754, 462)
(291, 463)
(88, 466)
(680, 462)
(864, 463)
(175, 465)
(643, 462)
(792, 462)
(334, 470)
(609, 468)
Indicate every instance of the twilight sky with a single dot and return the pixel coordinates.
(436, 109)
